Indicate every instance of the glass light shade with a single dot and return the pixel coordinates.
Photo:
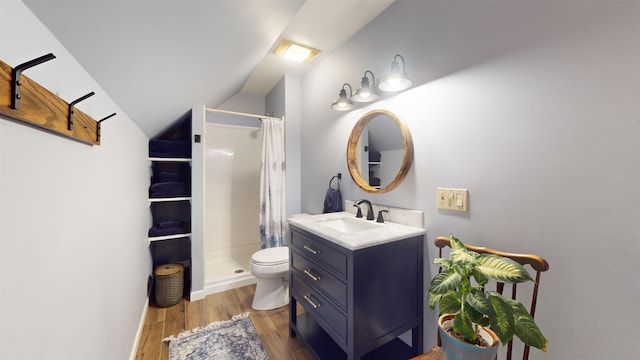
(397, 79)
(366, 93)
(394, 83)
(342, 103)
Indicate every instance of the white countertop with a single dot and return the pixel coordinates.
(379, 233)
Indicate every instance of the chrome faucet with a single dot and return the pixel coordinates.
(369, 210)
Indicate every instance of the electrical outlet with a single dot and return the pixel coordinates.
(452, 199)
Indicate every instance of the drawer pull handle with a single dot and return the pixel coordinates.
(311, 250)
(308, 298)
(311, 275)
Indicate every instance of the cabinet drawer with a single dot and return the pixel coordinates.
(317, 250)
(320, 278)
(317, 306)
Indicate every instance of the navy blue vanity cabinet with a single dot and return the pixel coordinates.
(356, 302)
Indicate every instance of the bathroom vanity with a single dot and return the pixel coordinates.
(360, 284)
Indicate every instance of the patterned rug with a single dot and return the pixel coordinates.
(235, 339)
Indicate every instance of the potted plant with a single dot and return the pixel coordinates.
(471, 307)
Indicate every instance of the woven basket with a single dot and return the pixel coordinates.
(169, 284)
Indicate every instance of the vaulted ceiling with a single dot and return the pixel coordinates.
(158, 58)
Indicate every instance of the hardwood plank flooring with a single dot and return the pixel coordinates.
(272, 325)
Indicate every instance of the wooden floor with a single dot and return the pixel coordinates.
(272, 325)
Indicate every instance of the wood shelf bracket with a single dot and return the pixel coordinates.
(26, 101)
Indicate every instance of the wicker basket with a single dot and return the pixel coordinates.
(169, 284)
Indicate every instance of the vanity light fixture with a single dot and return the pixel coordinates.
(397, 79)
(343, 103)
(296, 52)
(366, 93)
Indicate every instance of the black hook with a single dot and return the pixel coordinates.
(72, 104)
(339, 176)
(16, 73)
(98, 129)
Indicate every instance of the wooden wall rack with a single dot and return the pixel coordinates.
(25, 100)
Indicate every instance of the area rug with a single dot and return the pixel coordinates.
(235, 339)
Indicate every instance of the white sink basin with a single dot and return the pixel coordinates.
(349, 225)
(353, 233)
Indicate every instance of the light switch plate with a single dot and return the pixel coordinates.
(452, 199)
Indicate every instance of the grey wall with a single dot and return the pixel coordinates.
(533, 107)
(250, 104)
(284, 100)
(74, 256)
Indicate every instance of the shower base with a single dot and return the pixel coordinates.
(230, 272)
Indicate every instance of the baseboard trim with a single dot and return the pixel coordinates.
(197, 295)
(136, 342)
(220, 286)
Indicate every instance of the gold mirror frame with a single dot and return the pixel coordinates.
(352, 152)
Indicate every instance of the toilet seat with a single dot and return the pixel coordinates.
(271, 256)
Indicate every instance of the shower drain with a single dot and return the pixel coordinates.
(238, 271)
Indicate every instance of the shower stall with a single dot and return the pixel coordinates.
(232, 156)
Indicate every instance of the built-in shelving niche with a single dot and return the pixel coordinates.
(176, 246)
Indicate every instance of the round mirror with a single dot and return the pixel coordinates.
(379, 152)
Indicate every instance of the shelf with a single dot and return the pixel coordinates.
(323, 347)
(375, 163)
(170, 159)
(169, 195)
(169, 237)
(184, 198)
(317, 340)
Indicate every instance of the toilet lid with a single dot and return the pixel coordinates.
(271, 256)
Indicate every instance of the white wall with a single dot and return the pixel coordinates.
(533, 107)
(74, 258)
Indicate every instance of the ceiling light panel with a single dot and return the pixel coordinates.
(296, 52)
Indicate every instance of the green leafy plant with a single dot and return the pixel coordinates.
(454, 292)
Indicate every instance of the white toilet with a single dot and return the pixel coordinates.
(271, 269)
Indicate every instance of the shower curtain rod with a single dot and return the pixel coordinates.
(242, 114)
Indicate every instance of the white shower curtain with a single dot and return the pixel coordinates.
(273, 218)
